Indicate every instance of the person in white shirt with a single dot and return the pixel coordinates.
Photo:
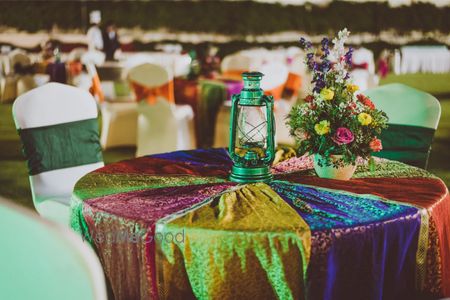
(94, 34)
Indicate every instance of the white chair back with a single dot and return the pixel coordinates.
(236, 62)
(164, 60)
(182, 65)
(405, 105)
(364, 55)
(20, 57)
(157, 128)
(53, 104)
(275, 75)
(77, 53)
(93, 57)
(298, 65)
(42, 261)
(413, 118)
(162, 126)
(149, 75)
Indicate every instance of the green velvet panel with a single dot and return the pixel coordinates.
(408, 144)
(61, 146)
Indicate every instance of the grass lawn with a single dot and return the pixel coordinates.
(13, 171)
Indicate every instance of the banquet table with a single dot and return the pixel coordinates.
(172, 226)
(427, 59)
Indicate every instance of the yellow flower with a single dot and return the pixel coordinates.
(323, 127)
(365, 119)
(327, 94)
(352, 88)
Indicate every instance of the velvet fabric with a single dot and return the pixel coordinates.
(382, 235)
(408, 144)
(61, 146)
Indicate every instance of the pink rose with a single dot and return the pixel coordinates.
(375, 145)
(343, 136)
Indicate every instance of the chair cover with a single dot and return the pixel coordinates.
(59, 129)
(119, 119)
(363, 73)
(222, 128)
(25, 83)
(413, 119)
(40, 260)
(8, 88)
(162, 125)
(234, 65)
(274, 79)
(18, 57)
(273, 83)
(93, 57)
(297, 74)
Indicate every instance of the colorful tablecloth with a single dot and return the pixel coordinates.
(172, 226)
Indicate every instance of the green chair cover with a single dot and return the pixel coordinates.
(413, 118)
(40, 260)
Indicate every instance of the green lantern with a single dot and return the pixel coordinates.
(252, 132)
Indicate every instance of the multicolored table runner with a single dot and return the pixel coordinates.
(172, 226)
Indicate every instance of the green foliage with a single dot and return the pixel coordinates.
(227, 17)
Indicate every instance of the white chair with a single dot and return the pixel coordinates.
(49, 105)
(162, 126)
(299, 68)
(236, 63)
(413, 117)
(93, 57)
(19, 57)
(119, 118)
(364, 78)
(77, 53)
(40, 260)
(275, 76)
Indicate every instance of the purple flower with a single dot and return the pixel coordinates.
(304, 44)
(343, 136)
(348, 56)
(325, 47)
(325, 66)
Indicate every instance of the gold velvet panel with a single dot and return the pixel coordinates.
(246, 243)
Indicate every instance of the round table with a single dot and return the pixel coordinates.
(173, 226)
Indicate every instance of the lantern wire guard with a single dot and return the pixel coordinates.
(252, 131)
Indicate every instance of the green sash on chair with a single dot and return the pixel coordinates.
(408, 144)
(61, 146)
(212, 95)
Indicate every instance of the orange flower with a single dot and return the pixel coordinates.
(375, 145)
(366, 101)
(309, 98)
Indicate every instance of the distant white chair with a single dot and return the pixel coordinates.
(19, 57)
(275, 76)
(233, 65)
(162, 125)
(41, 260)
(413, 117)
(177, 64)
(365, 78)
(93, 57)
(13, 85)
(58, 153)
(273, 81)
(77, 53)
(119, 118)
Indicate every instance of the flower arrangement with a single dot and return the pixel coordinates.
(335, 119)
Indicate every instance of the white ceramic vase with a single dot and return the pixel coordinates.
(341, 173)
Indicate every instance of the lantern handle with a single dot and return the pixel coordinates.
(231, 145)
(270, 152)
